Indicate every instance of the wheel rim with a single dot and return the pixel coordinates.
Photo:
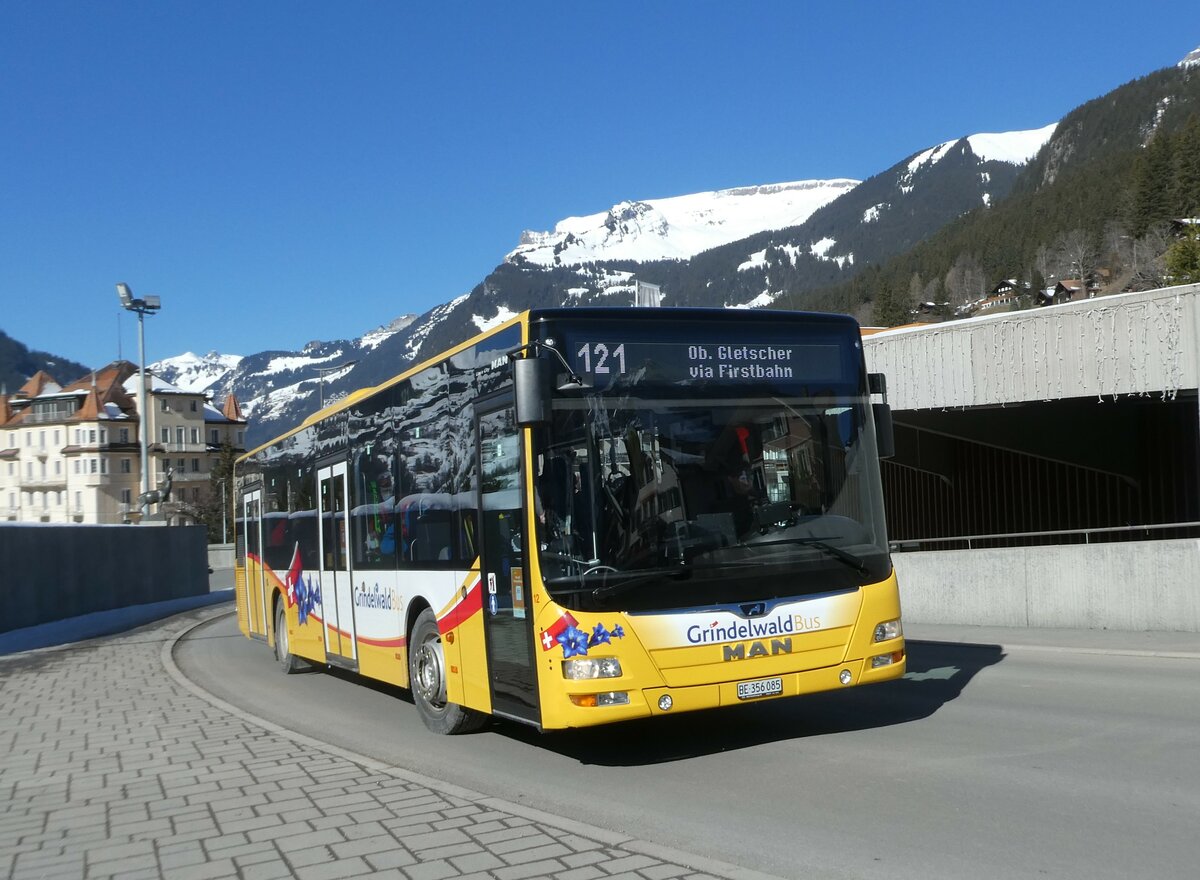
(429, 673)
(281, 637)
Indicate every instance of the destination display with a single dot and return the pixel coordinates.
(602, 361)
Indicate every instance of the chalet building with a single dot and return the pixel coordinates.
(1069, 290)
(1008, 287)
(1000, 301)
(72, 454)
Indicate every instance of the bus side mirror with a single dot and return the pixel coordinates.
(533, 379)
(885, 437)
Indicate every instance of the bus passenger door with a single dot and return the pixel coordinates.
(337, 600)
(507, 612)
(256, 584)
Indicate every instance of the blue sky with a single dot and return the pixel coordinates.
(286, 171)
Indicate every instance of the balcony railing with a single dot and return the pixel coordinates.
(47, 481)
(191, 477)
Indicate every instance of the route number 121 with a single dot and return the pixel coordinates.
(603, 357)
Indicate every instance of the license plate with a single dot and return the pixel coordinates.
(764, 687)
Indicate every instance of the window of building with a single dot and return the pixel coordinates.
(214, 437)
(196, 494)
(193, 406)
(78, 502)
(164, 405)
(124, 435)
(104, 465)
(76, 465)
(241, 438)
(181, 466)
(126, 496)
(166, 435)
(195, 465)
(55, 436)
(195, 435)
(103, 436)
(92, 436)
(41, 439)
(94, 466)
(126, 466)
(57, 468)
(179, 436)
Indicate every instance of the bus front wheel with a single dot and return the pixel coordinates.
(427, 677)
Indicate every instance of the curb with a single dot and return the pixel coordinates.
(611, 838)
(1067, 649)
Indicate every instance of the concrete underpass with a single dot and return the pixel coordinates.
(1026, 442)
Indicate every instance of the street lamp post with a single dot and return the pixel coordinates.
(147, 306)
(321, 371)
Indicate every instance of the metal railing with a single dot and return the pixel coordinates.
(907, 545)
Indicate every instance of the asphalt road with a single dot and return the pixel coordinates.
(978, 764)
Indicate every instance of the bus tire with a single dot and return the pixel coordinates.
(288, 661)
(427, 678)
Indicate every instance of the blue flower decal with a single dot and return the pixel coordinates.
(600, 636)
(308, 594)
(618, 632)
(574, 642)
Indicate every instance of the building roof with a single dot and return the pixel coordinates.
(232, 409)
(40, 382)
(100, 396)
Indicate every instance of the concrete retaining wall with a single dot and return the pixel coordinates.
(220, 556)
(1135, 586)
(54, 572)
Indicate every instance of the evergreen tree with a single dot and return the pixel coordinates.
(215, 511)
(1152, 184)
(1183, 257)
(1187, 155)
(891, 308)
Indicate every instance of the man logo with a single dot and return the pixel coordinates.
(757, 649)
(754, 609)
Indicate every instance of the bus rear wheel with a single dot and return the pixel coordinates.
(288, 661)
(427, 677)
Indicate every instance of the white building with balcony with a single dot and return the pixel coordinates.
(72, 454)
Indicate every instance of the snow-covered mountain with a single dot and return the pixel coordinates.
(679, 227)
(191, 372)
(271, 385)
(740, 247)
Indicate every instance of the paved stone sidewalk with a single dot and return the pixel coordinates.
(111, 768)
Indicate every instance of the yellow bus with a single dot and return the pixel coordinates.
(584, 516)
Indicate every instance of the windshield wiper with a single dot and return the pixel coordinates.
(624, 580)
(855, 562)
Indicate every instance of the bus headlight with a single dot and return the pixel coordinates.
(591, 667)
(889, 629)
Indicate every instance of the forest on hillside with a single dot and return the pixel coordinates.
(1111, 218)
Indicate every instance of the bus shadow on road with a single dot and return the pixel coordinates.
(938, 672)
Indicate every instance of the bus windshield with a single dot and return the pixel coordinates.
(660, 497)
